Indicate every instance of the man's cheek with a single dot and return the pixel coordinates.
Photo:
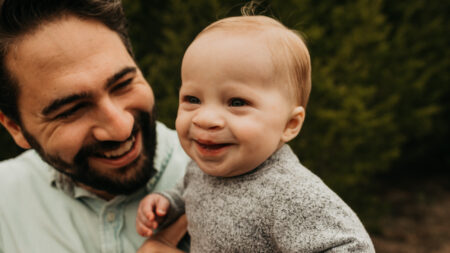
(65, 151)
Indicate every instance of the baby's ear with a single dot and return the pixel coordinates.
(14, 130)
(294, 124)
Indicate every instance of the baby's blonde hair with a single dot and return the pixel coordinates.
(289, 53)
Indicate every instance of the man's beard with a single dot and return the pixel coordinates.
(123, 180)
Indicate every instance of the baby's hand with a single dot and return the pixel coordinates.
(151, 211)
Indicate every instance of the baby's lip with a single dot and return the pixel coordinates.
(206, 142)
(211, 144)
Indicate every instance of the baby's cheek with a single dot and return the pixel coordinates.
(182, 124)
(183, 132)
(250, 131)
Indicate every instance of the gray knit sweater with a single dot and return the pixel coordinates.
(278, 207)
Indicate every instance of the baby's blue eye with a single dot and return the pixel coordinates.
(236, 102)
(192, 100)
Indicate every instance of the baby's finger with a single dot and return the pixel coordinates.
(143, 230)
(143, 218)
(162, 205)
(146, 209)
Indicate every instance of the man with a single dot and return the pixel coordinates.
(70, 91)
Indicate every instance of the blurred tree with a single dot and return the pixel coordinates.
(380, 93)
(377, 91)
(350, 131)
(419, 66)
(8, 147)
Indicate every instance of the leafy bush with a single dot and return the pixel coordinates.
(379, 102)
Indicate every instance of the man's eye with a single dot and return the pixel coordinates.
(122, 85)
(237, 102)
(192, 100)
(70, 112)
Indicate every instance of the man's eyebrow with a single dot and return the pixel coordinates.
(117, 76)
(60, 102)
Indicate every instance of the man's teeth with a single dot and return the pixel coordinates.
(123, 149)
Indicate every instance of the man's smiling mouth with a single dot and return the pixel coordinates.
(108, 155)
(122, 150)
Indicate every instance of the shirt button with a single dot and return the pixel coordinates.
(110, 216)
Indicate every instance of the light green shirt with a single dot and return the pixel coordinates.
(39, 214)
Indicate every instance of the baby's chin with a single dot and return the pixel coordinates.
(219, 171)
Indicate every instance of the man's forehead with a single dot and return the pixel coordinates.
(65, 47)
(61, 41)
(65, 57)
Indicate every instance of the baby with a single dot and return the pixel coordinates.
(245, 85)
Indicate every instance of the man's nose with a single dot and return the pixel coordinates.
(113, 123)
(209, 118)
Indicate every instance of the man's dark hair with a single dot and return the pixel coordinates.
(20, 17)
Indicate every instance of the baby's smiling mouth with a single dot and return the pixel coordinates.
(210, 145)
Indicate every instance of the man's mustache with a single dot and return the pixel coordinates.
(105, 146)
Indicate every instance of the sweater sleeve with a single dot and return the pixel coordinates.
(315, 219)
(175, 197)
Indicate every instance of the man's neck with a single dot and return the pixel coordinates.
(102, 194)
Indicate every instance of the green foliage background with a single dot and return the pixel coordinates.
(380, 96)
(380, 93)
